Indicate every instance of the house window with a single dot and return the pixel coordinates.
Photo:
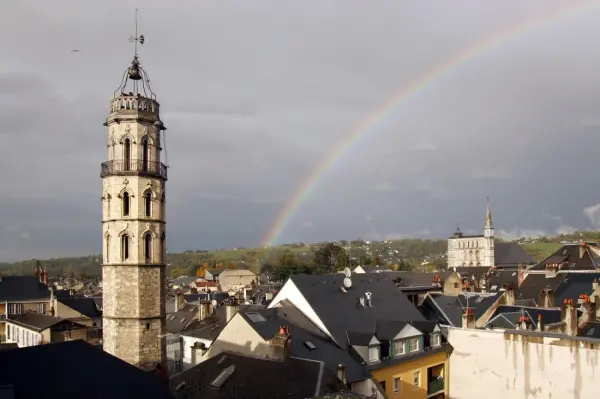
(455, 285)
(126, 203)
(396, 385)
(373, 354)
(15, 308)
(416, 379)
(436, 339)
(148, 204)
(124, 247)
(41, 308)
(398, 348)
(148, 248)
(413, 344)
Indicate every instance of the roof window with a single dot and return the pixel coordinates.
(223, 377)
(256, 317)
(310, 345)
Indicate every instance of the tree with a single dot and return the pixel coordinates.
(330, 258)
(200, 272)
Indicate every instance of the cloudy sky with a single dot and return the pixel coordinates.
(257, 94)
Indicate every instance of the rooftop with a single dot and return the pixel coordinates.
(23, 288)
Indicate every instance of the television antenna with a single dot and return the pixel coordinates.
(214, 303)
(347, 272)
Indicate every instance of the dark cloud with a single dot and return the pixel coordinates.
(256, 96)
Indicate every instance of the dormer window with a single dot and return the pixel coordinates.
(413, 344)
(398, 347)
(373, 354)
(436, 339)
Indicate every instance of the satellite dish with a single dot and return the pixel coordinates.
(214, 303)
(347, 272)
(347, 283)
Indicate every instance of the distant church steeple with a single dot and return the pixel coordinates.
(488, 231)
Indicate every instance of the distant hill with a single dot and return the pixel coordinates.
(412, 252)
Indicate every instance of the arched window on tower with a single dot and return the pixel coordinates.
(127, 155)
(125, 247)
(126, 203)
(148, 203)
(163, 251)
(148, 248)
(107, 249)
(145, 155)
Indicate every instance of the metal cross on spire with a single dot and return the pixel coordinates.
(136, 39)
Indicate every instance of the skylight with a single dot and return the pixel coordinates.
(256, 317)
(223, 377)
(182, 320)
(478, 300)
(310, 345)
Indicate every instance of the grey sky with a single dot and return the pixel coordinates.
(257, 93)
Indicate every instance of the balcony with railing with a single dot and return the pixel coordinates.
(435, 386)
(133, 167)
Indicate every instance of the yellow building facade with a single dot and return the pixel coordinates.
(423, 377)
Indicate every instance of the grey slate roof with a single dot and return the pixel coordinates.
(22, 288)
(511, 254)
(177, 321)
(470, 271)
(303, 330)
(85, 306)
(252, 378)
(564, 285)
(590, 330)
(569, 253)
(209, 328)
(89, 373)
(411, 279)
(36, 321)
(498, 278)
(451, 308)
(508, 316)
(340, 311)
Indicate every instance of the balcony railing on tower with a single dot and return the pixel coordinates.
(133, 167)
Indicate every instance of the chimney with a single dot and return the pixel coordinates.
(509, 295)
(206, 309)
(53, 301)
(582, 249)
(551, 270)
(539, 323)
(281, 344)
(231, 309)
(369, 302)
(569, 316)
(546, 299)
(179, 300)
(523, 323)
(596, 293)
(468, 319)
(198, 351)
(588, 307)
(45, 276)
(341, 373)
(520, 275)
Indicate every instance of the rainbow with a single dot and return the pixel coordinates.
(406, 93)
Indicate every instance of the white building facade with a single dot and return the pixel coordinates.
(473, 250)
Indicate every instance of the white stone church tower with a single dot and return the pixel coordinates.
(473, 250)
(133, 225)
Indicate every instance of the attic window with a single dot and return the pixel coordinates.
(256, 317)
(494, 288)
(182, 320)
(223, 377)
(514, 274)
(310, 345)
(172, 317)
(478, 300)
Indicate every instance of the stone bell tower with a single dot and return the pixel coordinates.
(133, 224)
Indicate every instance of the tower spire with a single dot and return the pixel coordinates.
(136, 39)
(488, 215)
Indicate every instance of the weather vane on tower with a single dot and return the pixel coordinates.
(136, 39)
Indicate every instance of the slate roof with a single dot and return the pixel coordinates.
(569, 254)
(7, 346)
(303, 330)
(375, 269)
(22, 288)
(565, 286)
(590, 329)
(451, 308)
(36, 321)
(89, 373)
(510, 254)
(252, 378)
(508, 316)
(412, 279)
(177, 321)
(209, 328)
(341, 312)
(470, 271)
(498, 278)
(219, 296)
(85, 306)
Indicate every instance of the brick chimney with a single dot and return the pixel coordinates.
(206, 309)
(468, 319)
(509, 295)
(281, 344)
(569, 317)
(44, 276)
(546, 299)
(539, 323)
(520, 275)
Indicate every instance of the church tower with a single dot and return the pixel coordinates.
(133, 224)
(488, 234)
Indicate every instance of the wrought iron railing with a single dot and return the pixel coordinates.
(434, 386)
(133, 167)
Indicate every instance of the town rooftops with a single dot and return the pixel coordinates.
(177, 321)
(371, 297)
(507, 317)
(229, 375)
(507, 254)
(23, 289)
(83, 371)
(36, 321)
(450, 309)
(579, 256)
(86, 306)
(563, 286)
